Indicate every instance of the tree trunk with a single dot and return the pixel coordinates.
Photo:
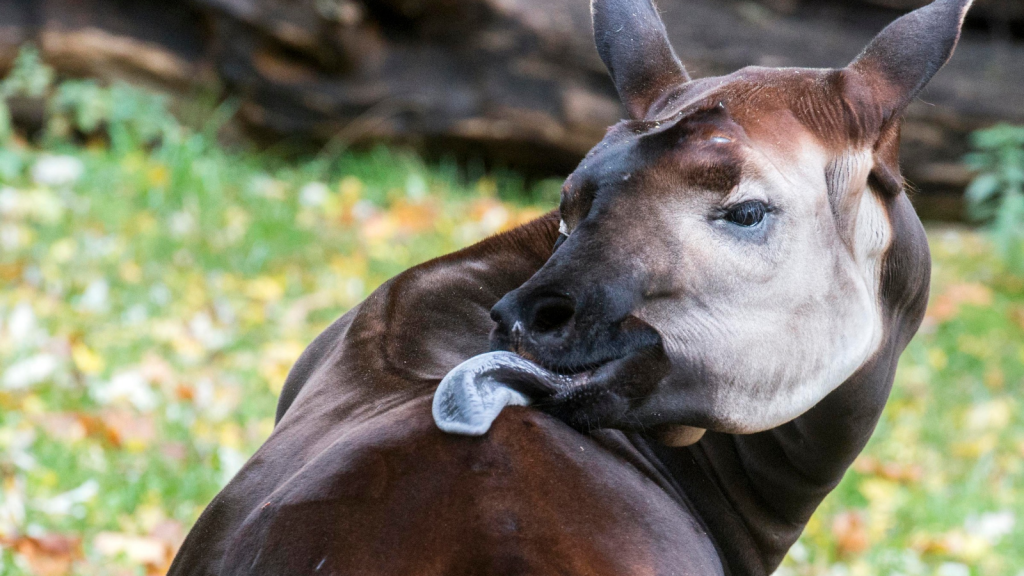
(516, 82)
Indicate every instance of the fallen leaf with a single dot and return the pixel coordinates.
(139, 549)
(87, 361)
(850, 533)
(128, 428)
(902, 473)
(414, 217)
(63, 426)
(50, 555)
(945, 306)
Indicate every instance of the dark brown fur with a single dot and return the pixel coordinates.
(356, 479)
(357, 475)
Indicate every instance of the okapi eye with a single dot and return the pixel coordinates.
(747, 214)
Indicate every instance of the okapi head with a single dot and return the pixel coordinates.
(741, 245)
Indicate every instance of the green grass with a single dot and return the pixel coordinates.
(151, 306)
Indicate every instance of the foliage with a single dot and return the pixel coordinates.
(997, 194)
(155, 288)
(128, 116)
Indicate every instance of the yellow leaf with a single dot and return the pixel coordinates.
(882, 496)
(87, 361)
(879, 492)
(130, 272)
(33, 405)
(202, 431)
(133, 162)
(992, 415)
(937, 358)
(351, 188)
(158, 175)
(63, 250)
(265, 288)
(353, 265)
(48, 479)
(277, 360)
(231, 436)
(977, 447)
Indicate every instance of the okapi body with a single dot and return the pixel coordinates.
(738, 257)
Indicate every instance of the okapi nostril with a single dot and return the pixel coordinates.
(496, 315)
(552, 313)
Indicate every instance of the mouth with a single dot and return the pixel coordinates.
(574, 372)
(542, 381)
(574, 363)
(553, 383)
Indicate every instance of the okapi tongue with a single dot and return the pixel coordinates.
(472, 395)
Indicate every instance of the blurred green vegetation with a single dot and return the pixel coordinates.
(155, 288)
(997, 194)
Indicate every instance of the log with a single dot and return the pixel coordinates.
(516, 82)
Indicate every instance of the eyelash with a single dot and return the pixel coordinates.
(747, 214)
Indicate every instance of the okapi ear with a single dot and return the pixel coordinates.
(632, 42)
(896, 66)
(901, 60)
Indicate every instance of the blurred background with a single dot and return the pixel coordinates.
(190, 191)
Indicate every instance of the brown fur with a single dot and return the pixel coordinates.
(356, 479)
(356, 474)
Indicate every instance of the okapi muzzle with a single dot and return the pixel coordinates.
(722, 252)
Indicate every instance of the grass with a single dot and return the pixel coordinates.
(154, 293)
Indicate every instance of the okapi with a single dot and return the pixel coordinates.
(739, 256)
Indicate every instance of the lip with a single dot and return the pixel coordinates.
(555, 381)
(579, 370)
(543, 382)
(561, 382)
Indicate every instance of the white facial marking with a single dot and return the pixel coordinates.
(776, 322)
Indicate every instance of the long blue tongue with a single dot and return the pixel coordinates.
(472, 395)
